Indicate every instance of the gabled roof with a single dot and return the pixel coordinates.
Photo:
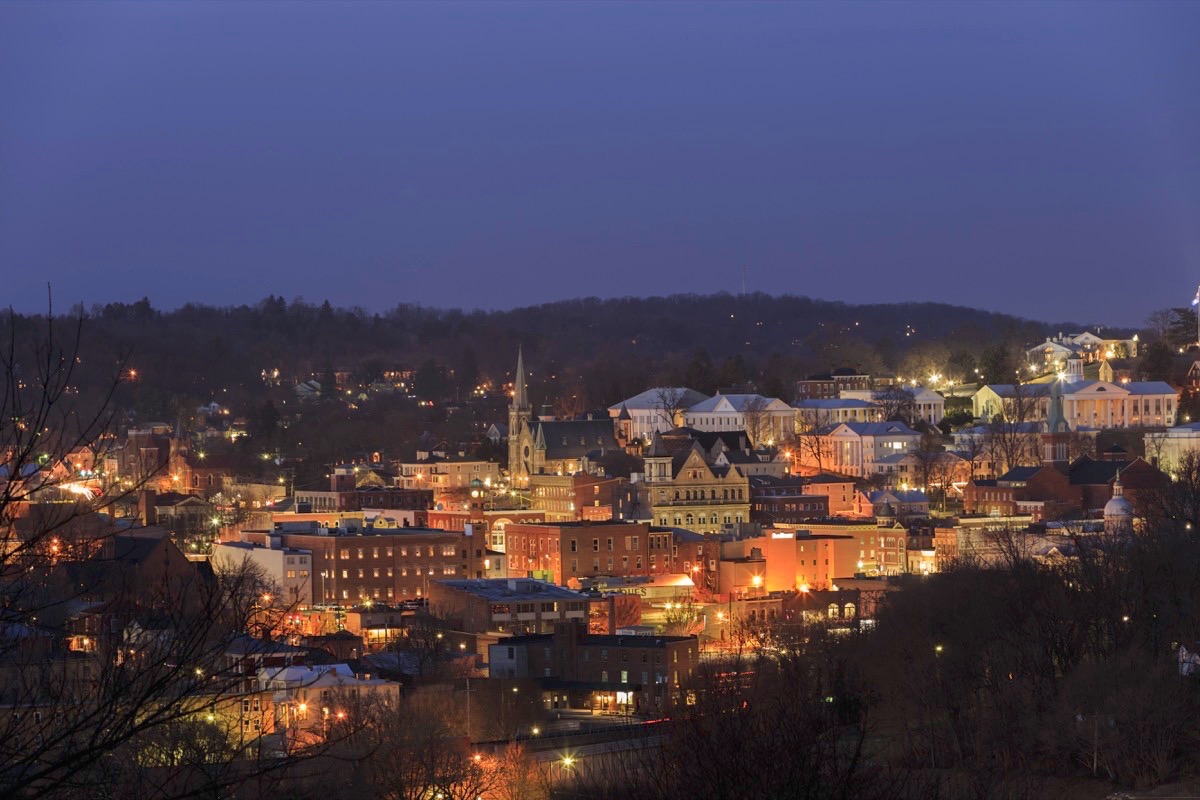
(1009, 392)
(737, 402)
(1019, 474)
(877, 428)
(575, 438)
(1089, 472)
(652, 399)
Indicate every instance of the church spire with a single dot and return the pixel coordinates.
(520, 395)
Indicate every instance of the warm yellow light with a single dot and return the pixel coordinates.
(756, 580)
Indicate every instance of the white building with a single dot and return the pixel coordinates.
(816, 413)
(1087, 404)
(927, 405)
(1166, 449)
(764, 419)
(854, 447)
(309, 700)
(446, 473)
(288, 568)
(656, 410)
(1057, 350)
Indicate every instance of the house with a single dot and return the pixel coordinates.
(1053, 353)
(307, 700)
(445, 473)
(496, 433)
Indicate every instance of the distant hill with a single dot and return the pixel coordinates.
(597, 350)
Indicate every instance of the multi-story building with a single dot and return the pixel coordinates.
(357, 488)
(444, 473)
(1055, 490)
(839, 491)
(351, 564)
(1085, 403)
(831, 385)
(764, 419)
(288, 569)
(852, 448)
(506, 605)
(564, 498)
(654, 411)
(566, 551)
(685, 491)
(819, 412)
(783, 501)
(621, 674)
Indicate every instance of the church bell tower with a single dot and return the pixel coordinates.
(518, 418)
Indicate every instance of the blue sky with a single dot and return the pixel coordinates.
(1039, 159)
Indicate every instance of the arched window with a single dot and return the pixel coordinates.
(849, 610)
(833, 610)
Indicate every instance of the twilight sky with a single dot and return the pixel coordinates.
(1032, 158)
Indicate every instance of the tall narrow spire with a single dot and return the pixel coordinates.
(520, 396)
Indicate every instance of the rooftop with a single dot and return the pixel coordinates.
(511, 589)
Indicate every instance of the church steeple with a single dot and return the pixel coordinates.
(520, 393)
(519, 421)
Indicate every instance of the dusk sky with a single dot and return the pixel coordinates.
(1037, 159)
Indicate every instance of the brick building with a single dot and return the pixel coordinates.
(618, 674)
(511, 605)
(387, 564)
(1050, 492)
(775, 501)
